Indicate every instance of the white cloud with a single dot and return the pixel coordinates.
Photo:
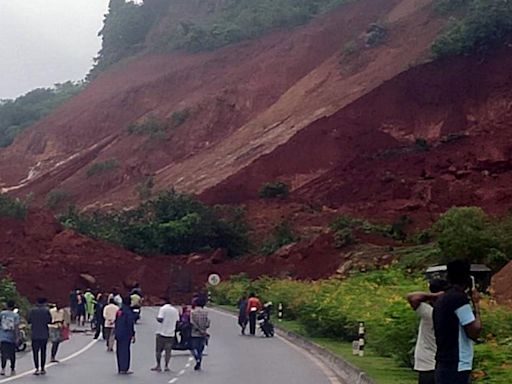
(47, 41)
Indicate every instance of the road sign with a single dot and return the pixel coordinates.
(214, 279)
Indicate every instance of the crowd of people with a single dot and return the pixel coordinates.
(113, 318)
(448, 326)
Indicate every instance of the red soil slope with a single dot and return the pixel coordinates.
(47, 260)
(366, 156)
(245, 101)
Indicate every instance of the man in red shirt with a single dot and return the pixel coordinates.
(253, 307)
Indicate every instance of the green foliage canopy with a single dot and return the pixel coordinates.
(486, 25)
(172, 223)
(16, 115)
(10, 206)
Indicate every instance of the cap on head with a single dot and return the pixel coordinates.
(11, 304)
(41, 300)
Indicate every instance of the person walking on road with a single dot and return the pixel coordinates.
(425, 351)
(456, 326)
(89, 305)
(60, 320)
(242, 313)
(253, 307)
(73, 304)
(200, 324)
(109, 314)
(125, 336)
(167, 318)
(9, 334)
(39, 318)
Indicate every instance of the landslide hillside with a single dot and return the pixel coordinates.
(197, 120)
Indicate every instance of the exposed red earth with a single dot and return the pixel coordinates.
(379, 134)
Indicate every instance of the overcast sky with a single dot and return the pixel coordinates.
(43, 42)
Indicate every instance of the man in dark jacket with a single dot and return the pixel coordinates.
(125, 335)
(39, 317)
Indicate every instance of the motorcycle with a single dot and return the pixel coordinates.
(21, 343)
(266, 326)
(136, 313)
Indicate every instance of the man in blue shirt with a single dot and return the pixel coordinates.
(456, 326)
(9, 332)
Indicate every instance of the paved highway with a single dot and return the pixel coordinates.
(231, 359)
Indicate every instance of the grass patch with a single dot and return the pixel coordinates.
(102, 167)
(12, 207)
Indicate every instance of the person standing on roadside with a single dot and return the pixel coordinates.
(253, 307)
(99, 320)
(80, 308)
(242, 313)
(9, 334)
(167, 318)
(425, 351)
(125, 336)
(200, 324)
(109, 314)
(456, 326)
(39, 318)
(73, 303)
(59, 322)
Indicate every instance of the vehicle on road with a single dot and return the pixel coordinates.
(266, 326)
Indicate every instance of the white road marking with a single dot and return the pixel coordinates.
(72, 356)
(182, 372)
(172, 381)
(326, 370)
(188, 365)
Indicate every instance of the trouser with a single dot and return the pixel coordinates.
(109, 337)
(452, 376)
(123, 354)
(99, 328)
(242, 322)
(55, 348)
(39, 352)
(427, 377)
(164, 343)
(252, 323)
(197, 344)
(8, 351)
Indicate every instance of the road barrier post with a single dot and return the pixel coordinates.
(361, 338)
(355, 347)
(209, 296)
(280, 312)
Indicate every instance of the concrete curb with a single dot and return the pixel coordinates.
(347, 372)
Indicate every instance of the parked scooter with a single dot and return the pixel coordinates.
(21, 344)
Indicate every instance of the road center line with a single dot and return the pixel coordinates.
(72, 356)
(172, 381)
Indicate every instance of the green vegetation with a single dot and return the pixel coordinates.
(124, 31)
(10, 206)
(344, 226)
(145, 188)
(242, 20)
(467, 232)
(274, 189)
(8, 291)
(484, 26)
(180, 117)
(56, 198)
(282, 234)
(102, 167)
(16, 115)
(172, 223)
(329, 311)
(148, 125)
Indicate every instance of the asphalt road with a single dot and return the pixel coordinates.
(231, 359)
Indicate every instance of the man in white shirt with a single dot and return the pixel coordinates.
(167, 318)
(426, 348)
(109, 314)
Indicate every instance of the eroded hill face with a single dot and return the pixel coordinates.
(215, 112)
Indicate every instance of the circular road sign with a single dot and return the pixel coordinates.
(214, 279)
